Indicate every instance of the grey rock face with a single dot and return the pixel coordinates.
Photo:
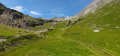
(93, 6)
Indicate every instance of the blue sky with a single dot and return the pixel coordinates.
(47, 8)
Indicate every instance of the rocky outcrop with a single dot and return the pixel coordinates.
(2, 6)
(10, 17)
(17, 19)
(13, 14)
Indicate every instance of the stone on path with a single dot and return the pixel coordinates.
(96, 31)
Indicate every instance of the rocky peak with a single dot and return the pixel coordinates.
(9, 13)
(92, 7)
(2, 6)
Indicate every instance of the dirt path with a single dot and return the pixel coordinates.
(95, 47)
(100, 50)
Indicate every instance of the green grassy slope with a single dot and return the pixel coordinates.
(55, 45)
(80, 39)
(107, 21)
(10, 31)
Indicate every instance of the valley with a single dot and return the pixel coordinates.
(89, 34)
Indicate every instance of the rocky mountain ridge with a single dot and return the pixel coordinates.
(17, 19)
(14, 18)
(92, 7)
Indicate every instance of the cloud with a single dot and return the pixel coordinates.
(55, 14)
(19, 8)
(35, 13)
